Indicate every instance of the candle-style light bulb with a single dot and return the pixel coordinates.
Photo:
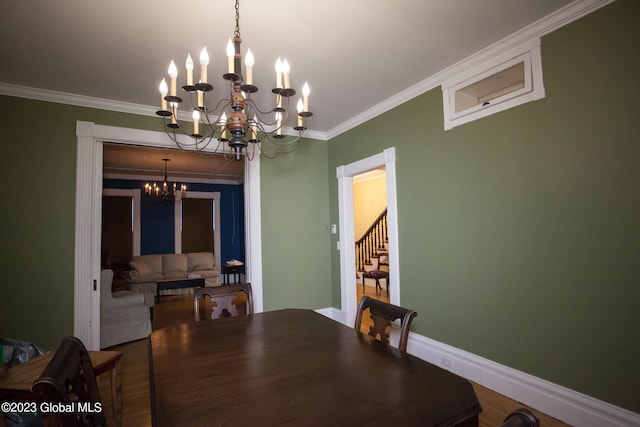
(254, 127)
(279, 74)
(204, 61)
(173, 74)
(189, 66)
(286, 69)
(223, 123)
(230, 54)
(163, 92)
(200, 97)
(248, 62)
(300, 108)
(196, 122)
(306, 91)
(278, 123)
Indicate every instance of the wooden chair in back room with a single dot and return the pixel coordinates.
(224, 297)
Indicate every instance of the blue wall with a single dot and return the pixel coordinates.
(157, 220)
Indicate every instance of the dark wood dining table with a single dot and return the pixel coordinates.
(296, 367)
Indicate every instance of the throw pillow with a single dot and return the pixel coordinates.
(201, 261)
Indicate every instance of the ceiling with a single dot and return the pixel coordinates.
(355, 54)
(144, 163)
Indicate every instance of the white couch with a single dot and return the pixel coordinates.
(146, 270)
(124, 316)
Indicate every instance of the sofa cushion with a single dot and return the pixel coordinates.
(141, 267)
(200, 261)
(154, 262)
(174, 264)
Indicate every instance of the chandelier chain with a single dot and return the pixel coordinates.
(236, 33)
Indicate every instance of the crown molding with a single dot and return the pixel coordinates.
(111, 105)
(572, 12)
(75, 99)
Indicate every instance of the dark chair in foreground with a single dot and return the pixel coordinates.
(69, 380)
(223, 296)
(521, 418)
(383, 314)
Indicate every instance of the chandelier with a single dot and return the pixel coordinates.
(162, 192)
(234, 124)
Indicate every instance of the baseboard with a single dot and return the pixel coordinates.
(557, 401)
(333, 313)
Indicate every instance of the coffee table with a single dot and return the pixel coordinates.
(177, 283)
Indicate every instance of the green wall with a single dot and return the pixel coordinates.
(39, 168)
(295, 229)
(519, 234)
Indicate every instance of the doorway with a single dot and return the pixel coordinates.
(345, 175)
(371, 231)
(89, 154)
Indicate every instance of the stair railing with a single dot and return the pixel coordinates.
(372, 240)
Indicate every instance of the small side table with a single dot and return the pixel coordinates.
(228, 269)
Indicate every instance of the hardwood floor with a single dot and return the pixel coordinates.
(135, 372)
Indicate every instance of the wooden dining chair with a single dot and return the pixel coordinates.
(69, 380)
(383, 314)
(223, 296)
(521, 418)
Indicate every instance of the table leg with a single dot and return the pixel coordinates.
(116, 392)
(196, 308)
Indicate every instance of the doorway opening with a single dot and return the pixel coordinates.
(371, 234)
(87, 243)
(348, 277)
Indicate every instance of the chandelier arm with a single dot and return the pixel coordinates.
(255, 107)
(208, 113)
(250, 153)
(266, 155)
(172, 135)
(282, 143)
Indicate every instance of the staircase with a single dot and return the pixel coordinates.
(372, 249)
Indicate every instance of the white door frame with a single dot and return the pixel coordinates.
(347, 242)
(88, 229)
